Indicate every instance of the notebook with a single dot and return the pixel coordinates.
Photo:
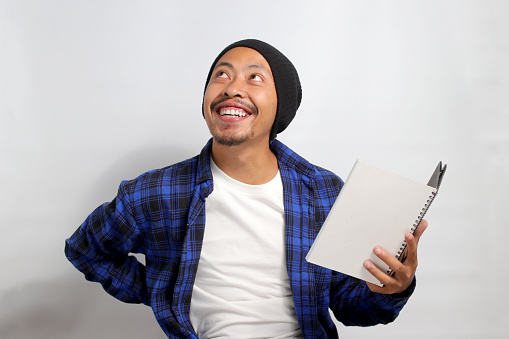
(374, 208)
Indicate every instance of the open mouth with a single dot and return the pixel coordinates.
(232, 112)
(233, 108)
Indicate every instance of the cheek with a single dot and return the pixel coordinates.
(272, 104)
(208, 97)
(272, 100)
(213, 90)
(265, 99)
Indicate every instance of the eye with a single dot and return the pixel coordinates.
(255, 77)
(222, 74)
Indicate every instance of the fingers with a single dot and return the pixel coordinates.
(391, 261)
(403, 271)
(412, 241)
(376, 272)
(420, 229)
(402, 277)
(391, 284)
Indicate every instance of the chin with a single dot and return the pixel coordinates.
(230, 141)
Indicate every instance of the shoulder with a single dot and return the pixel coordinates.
(182, 173)
(178, 176)
(315, 175)
(182, 170)
(327, 180)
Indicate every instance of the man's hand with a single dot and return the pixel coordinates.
(403, 271)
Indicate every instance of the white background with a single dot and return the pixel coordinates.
(93, 92)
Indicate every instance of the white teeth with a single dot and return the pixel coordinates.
(232, 112)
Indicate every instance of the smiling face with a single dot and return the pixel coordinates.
(240, 101)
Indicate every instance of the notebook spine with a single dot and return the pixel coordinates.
(401, 255)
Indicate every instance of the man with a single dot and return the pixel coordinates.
(225, 233)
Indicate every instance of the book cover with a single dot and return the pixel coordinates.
(374, 208)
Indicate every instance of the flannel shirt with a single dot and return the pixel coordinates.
(161, 214)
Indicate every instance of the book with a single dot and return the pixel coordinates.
(374, 208)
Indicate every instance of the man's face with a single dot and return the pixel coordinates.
(240, 101)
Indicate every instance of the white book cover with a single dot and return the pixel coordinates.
(374, 208)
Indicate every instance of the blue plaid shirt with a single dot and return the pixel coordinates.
(161, 214)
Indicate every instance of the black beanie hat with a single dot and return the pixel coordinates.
(286, 79)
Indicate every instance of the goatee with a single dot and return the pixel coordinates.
(230, 140)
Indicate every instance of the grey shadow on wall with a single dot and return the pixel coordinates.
(72, 308)
(69, 307)
(131, 165)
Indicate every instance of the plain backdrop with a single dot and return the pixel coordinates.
(94, 92)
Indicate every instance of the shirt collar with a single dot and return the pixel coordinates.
(204, 172)
(283, 153)
(291, 159)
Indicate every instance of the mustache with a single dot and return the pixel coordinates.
(252, 108)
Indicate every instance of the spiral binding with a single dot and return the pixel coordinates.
(413, 228)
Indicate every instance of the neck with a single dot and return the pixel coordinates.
(247, 163)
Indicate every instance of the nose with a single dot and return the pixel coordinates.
(236, 88)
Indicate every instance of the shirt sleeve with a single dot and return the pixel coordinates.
(100, 249)
(354, 304)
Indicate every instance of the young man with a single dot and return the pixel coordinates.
(225, 233)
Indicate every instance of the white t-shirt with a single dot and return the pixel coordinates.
(242, 288)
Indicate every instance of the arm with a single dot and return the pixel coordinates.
(100, 249)
(354, 304)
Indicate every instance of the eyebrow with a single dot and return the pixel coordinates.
(227, 64)
(224, 63)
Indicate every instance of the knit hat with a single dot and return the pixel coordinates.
(286, 79)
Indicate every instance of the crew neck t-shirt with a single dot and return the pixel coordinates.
(242, 288)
